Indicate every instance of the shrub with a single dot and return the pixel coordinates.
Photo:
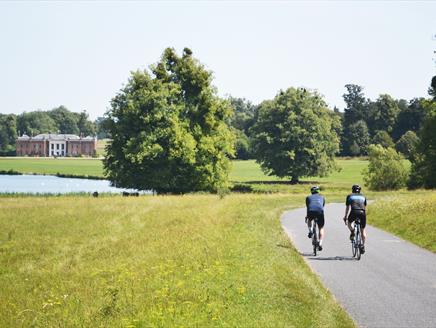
(407, 144)
(386, 169)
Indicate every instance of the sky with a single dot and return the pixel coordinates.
(80, 54)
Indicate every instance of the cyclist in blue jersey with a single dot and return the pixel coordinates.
(356, 206)
(315, 210)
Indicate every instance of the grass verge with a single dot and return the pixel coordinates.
(194, 260)
(410, 216)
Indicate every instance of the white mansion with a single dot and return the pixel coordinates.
(48, 145)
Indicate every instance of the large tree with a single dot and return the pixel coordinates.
(66, 121)
(356, 110)
(424, 160)
(384, 114)
(169, 130)
(8, 133)
(359, 138)
(294, 135)
(409, 118)
(33, 123)
(242, 120)
(85, 126)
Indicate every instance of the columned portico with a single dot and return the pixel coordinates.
(57, 148)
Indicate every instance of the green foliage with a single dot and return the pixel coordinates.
(8, 132)
(432, 88)
(102, 127)
(294, 136)
(383, 138)
(57, 120)
(244, 114)
(355, 135)
(356, 105)
(409, 118)
(386, 170)
(33, 123)
(169, 130)
(357, 138)
(407, 144)
(243, 146)
(66, 121)
(85, 126)
(424, 161)
(383, 115)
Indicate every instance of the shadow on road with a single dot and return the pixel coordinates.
(332, 258)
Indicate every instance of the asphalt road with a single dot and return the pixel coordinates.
(394, 283)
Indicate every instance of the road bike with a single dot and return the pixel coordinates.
(356, 242)
(315, 233)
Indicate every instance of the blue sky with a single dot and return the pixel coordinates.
(80, 54)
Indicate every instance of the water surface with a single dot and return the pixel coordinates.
(45, 184)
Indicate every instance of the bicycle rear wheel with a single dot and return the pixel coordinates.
(358, 244)
(315, 240)
(353, 247)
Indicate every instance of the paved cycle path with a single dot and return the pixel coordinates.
(393, 285)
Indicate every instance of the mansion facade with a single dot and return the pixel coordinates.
(56, 145)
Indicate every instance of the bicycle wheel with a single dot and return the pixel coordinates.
(358, 243)
(353, 246)
(315, 240)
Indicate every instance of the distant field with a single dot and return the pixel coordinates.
(166, 261)
(247, 172)
(76, 166)
(411, 216)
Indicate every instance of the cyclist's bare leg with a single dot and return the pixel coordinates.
(351, 226)
(321, 235)
(309, 224)
(363, 235)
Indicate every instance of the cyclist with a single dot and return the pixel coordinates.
(357, 202)
(315, 209)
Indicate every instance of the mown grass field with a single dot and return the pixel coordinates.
(246, 172)
(411, 216)
(75, 166)
(163, 261)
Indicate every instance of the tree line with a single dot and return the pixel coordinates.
(386, 121)
(57, 120)
(172, 133)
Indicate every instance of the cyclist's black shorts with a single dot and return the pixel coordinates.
(317, 215)
(358, 214)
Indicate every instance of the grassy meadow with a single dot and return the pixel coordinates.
(194, 260)
(247, 173)
(411, 216)
(41, 165)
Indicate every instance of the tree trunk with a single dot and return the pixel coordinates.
(294, 180)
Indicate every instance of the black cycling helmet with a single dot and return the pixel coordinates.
(356, 189)
(314, 190)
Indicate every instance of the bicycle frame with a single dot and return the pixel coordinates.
(356, 243)
(315, 243)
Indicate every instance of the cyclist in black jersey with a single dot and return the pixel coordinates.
(315, 210)
(357, 203)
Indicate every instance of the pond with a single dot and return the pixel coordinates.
(46, 184)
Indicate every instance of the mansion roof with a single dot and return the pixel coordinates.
(55, 137)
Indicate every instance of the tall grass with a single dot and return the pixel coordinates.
(194, 260)
(411, 216)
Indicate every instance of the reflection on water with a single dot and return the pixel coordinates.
(50, 184)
